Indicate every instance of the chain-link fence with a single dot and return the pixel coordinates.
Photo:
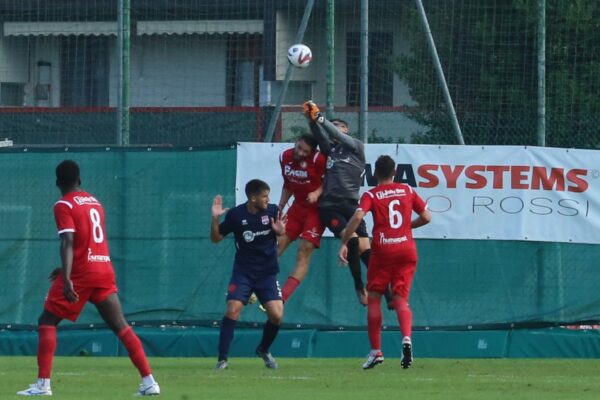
(204, 73)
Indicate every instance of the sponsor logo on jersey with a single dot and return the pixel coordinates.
(80, 200)
(96, 257)
(249, 236)
(386, 194)
(295, 173)
(396, 240)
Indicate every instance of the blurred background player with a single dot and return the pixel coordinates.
(394, 258)
(302, 168)
(86, 275)
(343, 179)
(255, 225)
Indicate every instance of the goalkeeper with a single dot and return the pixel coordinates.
(343, 179)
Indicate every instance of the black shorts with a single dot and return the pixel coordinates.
(336, 217)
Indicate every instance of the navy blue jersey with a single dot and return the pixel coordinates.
(255, 241)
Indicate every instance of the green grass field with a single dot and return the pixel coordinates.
(194, 378)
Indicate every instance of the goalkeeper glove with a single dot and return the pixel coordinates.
(312, 112)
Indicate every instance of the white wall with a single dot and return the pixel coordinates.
(18, 63)
(174, 70)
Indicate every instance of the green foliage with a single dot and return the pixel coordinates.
(488, 51)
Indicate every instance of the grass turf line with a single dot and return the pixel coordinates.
(103, 378)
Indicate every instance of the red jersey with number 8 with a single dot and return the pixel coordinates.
(392, 206)
(82, 214)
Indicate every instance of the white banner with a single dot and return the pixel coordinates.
(475, 192)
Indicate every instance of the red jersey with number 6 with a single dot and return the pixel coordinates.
(82, 214)
(392, 206)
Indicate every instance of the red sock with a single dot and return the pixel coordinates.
(289, 287)
(404, 315)
(46, 349)
(136, 352)
(374, 322)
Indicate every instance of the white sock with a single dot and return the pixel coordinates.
(43, 383)
(406, 339)
(374, 352)
(148, 380)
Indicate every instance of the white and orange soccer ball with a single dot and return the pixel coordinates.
(299, 55)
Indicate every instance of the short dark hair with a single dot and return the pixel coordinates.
(384, 167)
(67, 174)
(339, 120)
(256, 186)
(309, 140)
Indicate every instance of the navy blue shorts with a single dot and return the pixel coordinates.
(242, 286)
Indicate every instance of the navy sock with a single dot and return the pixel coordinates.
(225, 337)
(270, 331)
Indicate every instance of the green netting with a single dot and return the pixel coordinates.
(205, 73)
(158, 214)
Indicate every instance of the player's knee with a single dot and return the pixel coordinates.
(401, 303)
(305, 249)
(276, 318)
(233, 310)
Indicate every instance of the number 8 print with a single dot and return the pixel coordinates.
(96, 227)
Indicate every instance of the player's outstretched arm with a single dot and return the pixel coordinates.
(312, 113)
(423, 219)
(348, 233)
(216, 211)
(345, 139)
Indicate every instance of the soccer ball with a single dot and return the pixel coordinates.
(299, 55)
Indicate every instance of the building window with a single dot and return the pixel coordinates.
(84, 74)
(381, 76)
(243, 61)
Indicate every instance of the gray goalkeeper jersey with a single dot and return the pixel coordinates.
(345, 163)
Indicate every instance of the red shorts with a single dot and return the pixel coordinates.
(57, 304)
(304, 222)
(397, 271)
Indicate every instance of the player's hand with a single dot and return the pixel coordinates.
(69, 291)
(278, 225)
(54, 274)
(312, 197)
(311, 111)
(217, 207)
(343, 254)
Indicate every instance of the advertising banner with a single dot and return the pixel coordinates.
(475, 192)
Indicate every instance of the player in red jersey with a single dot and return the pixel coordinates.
(393, 255)
(302, 168)
(86, 275)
